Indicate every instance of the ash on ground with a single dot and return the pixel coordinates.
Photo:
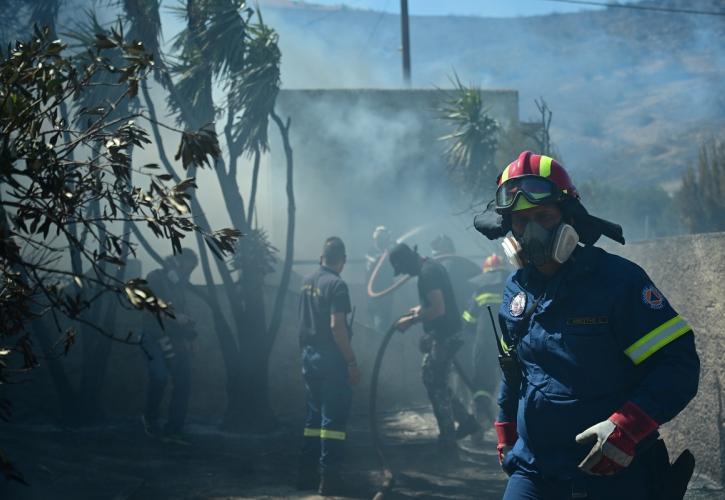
(120, 462)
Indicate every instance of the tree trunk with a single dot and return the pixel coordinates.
(253, 396)
(223, 330)
(67, 395)
(256, 341)
(253, 190)
(290, 247)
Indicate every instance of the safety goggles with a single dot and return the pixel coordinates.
(537, 191)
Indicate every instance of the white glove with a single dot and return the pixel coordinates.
(612, 451)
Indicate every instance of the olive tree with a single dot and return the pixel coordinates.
(67, 190)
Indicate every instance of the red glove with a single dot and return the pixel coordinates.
(507, 436)
(615, 440)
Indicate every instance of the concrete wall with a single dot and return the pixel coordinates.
(690, 271)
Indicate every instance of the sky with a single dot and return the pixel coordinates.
(485, 8)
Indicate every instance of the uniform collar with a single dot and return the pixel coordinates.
(324, 268)
(583, 261)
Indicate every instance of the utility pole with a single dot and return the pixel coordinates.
(405, 35)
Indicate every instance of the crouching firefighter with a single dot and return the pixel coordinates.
(595, 357)
(329, 368)
(441, 320)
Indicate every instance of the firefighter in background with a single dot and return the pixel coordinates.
(598, 359)
(439, 314)
(169, 349)
(329, 368)
(458, 268)
(380, 308)
(476, 319)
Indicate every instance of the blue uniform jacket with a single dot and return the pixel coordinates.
(601, 335)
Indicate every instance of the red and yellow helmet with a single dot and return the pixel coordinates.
(532, 180)
(492, 263)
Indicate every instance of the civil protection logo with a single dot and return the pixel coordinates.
(653, 297)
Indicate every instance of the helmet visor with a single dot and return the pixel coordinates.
(537, 191)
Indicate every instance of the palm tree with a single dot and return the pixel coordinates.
(226, 42)
(472, 145)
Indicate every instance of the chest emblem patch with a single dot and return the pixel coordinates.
(518, 304)
(652, 297)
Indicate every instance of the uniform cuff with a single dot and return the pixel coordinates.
(506, 432)
(634, 421)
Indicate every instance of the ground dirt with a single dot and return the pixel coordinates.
(119, 462)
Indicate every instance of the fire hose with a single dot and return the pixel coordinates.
(386, 468)
(388, 475)
(376, 294)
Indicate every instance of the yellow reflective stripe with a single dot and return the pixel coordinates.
(312, 432)
(657, 339)
(481, 394)
(468, 317)
(504, 344)
(545, 166)
(487, 298)
(505, 175)
(328, 434)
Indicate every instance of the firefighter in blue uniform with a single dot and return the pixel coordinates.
(597, 358)
(476, 320)
(329, 368)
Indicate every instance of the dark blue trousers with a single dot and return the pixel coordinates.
(627, 485)
(329, 396)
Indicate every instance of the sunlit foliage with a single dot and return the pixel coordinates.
(55, 166)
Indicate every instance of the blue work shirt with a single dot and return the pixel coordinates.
(323, 294)
(602, 334)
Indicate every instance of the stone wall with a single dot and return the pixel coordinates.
(690, 271)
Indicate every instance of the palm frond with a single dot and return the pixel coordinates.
(254, 251)
(87, 37)
(144, 21)
(253, 90)
(473, 143)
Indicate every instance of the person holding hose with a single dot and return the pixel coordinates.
(441, 319)
(595, 358)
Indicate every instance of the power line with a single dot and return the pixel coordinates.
(377, 23)
(332, 12)
(641, 7)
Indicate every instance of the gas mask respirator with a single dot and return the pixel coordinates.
(537, 245)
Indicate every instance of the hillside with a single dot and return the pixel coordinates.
(633, 92)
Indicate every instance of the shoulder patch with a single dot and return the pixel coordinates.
(652, 297)
(517, 306)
